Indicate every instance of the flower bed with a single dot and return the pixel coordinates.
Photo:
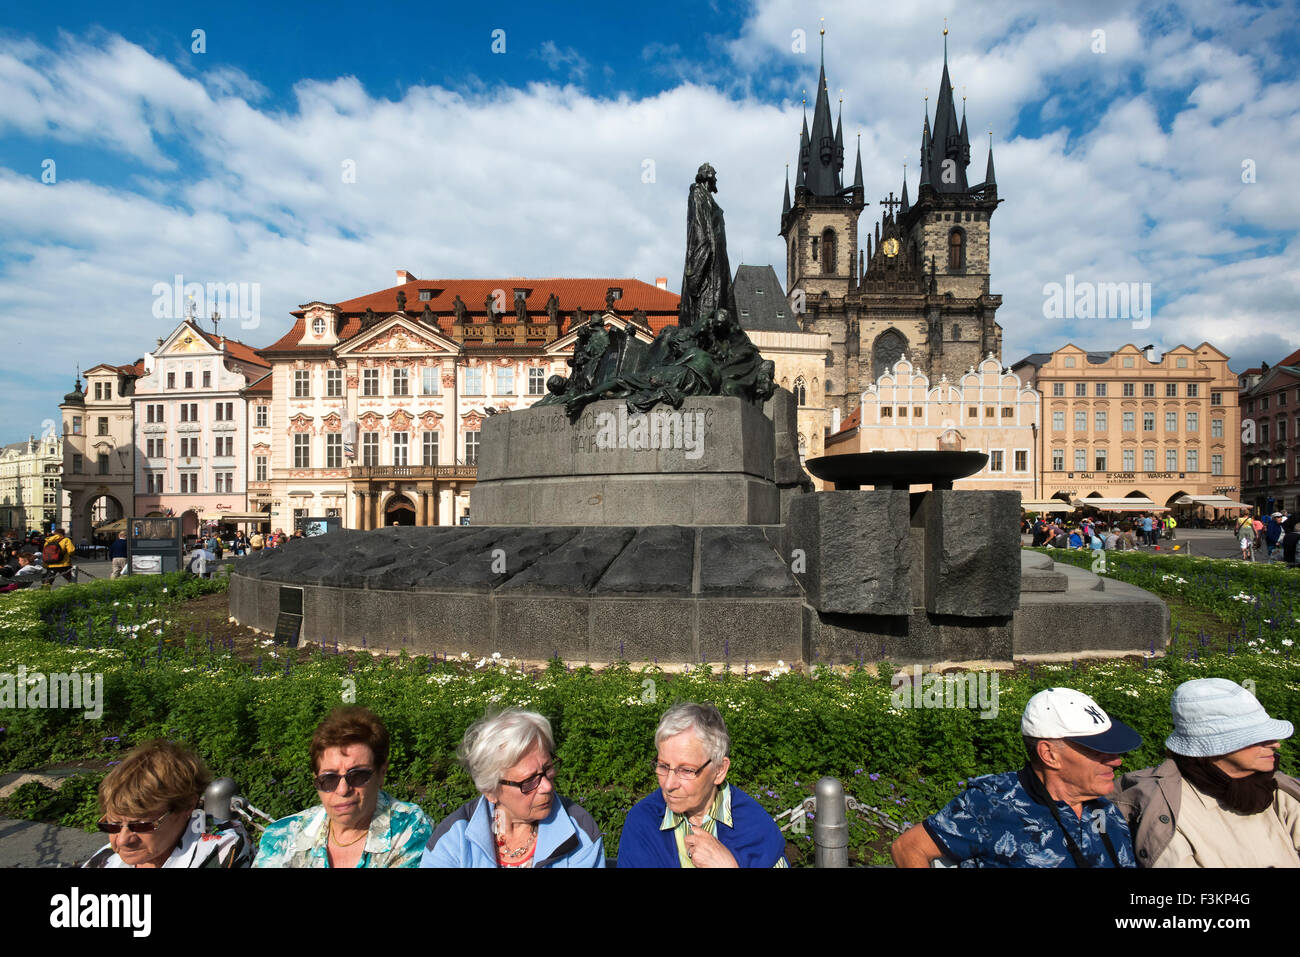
(251, 716)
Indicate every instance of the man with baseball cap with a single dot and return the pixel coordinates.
(1219, 800)
(1052, 812)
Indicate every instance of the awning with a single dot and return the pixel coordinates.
(1209, 501)
(237, 517)
(1046, 505)
(1120, 504)
(112, 528)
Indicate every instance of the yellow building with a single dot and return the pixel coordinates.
(1119, 425)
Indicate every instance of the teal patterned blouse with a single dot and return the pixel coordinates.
(398, 833)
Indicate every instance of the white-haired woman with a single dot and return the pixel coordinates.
(696, 819)
(520, 820)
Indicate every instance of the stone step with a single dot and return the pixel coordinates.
(1080, 579)
(1036, 579)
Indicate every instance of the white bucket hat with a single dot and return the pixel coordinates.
(1215, 716)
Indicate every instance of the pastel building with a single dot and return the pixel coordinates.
(987, 409)
(1270, 435)
(99, 447)
(31, 494)
(191, 435)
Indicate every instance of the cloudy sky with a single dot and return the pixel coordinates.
(312, 151)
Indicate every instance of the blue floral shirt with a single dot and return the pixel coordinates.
(999, 822)
(398, 834)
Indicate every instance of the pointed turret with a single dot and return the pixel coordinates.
(857, 169)
(785, 207)
(839, 147)
(948, 138)
(822, 178)
(925, 154)
(989, 179)
(903, 204)
(802, 178)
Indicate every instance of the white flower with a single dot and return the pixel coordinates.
(1288, 642)
(464, 656)
(481, 663)
(496, 655)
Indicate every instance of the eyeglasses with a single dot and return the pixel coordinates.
(135, 827)
(686, 774)
(530, 784)
(356, 778)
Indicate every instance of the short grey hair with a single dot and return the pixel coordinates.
(704, 719)
(500, 740)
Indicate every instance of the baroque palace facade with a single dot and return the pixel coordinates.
(920, 287)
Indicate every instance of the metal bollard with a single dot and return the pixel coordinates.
(218, 797)
(831, 827)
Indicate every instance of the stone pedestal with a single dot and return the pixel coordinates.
(972, 552)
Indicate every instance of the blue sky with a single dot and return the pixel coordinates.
(1123, 164)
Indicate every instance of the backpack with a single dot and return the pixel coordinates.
(52, 552)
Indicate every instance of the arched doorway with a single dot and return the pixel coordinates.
(399, 510)
(100, 510)
(189, 523)
(887, 349)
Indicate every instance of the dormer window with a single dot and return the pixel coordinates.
(521, 295)
(318, 326)
(426, 295)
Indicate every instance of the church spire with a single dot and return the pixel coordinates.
(903, 204)
(947, 137)
(988, 170)
(857, 170)
(925, 153)
(785, 208)
(839, 145)
(822, 173)
(801, 179)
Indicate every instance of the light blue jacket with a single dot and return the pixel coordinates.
(568, 837)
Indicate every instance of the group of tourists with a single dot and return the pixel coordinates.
(1100, 536)
(151, 806)
(1216, 801)
(1275, 535)
(37, 559)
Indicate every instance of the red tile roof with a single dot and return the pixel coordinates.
(588, 295)
(852, 422)
(236, 350)
(261, 387)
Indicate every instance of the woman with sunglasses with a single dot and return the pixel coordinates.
(150, 808)
(520, 821)
(356, 824)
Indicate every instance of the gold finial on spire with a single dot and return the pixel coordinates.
(945, 26)
(824, 26)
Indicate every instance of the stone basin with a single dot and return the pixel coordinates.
(897, 470)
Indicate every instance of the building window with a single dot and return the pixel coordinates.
(1193, 423)
(995, 460)
(261, 416)
(1007, 412)
(1101, 389)
(369, 448)
(1148, 390)
(1100, 457)
(370, 382)
(1081, 421)
(401, 446)
(1099, 422)
(902, 412)
(505, 380)
(1080, 389)
(956, 332)
(189, 447)
(1081, 460)
(1193, 460)
(430, 446)
(1171, 460)
(101, 425)
(536, 381)
(207, 379)
(302, 451)
(76, 464)
(471, 447)
(218, 481)
(1069, 362)
(76, 424)
(1022, 460)
(98, 391)
(1148, 460)
(226, 446)
(1193, 390)
(333, 450)
(429, 380)
(401, 382)
(225, 412)
(189, 483)
(154, 483)
(318, 327)
(260, 467)
(1058, 421)
(1128, 459)
(1216, 398)
(1263, 433)
(1263, 402)
(171, 380)
(1058, 389)
(971, 413)
(1181, 362)
(1127, 362)
(1128, 389)
(814, 248)
(800, 392)
(1216, 464)
(1281, 430)
(473, 381)
(301, 383)
(1216, 428)
(1128, 420)
(988, 411)
(1171, 390)
(1148, 421)
(1171, 421)
(426, 295)
(333, 383)
(1281, 399)
(956, 250)
(103, 463)
(828, 252)
(1058, 460)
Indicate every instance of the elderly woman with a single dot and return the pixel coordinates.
(356, 824)
(150, 804)
(1218, 801)
(520, 820)
(696, 819)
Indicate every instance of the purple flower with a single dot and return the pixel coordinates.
(858, 771)
(111, 763)
(114, 738)
(874, 776)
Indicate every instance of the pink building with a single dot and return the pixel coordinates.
(191, 431)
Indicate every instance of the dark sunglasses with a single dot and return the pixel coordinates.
(356, 778)
(530, 784)
(135, 827)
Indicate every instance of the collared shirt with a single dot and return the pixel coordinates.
(719, 812)
(397, 835)
(999, 822)
(205, 842)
